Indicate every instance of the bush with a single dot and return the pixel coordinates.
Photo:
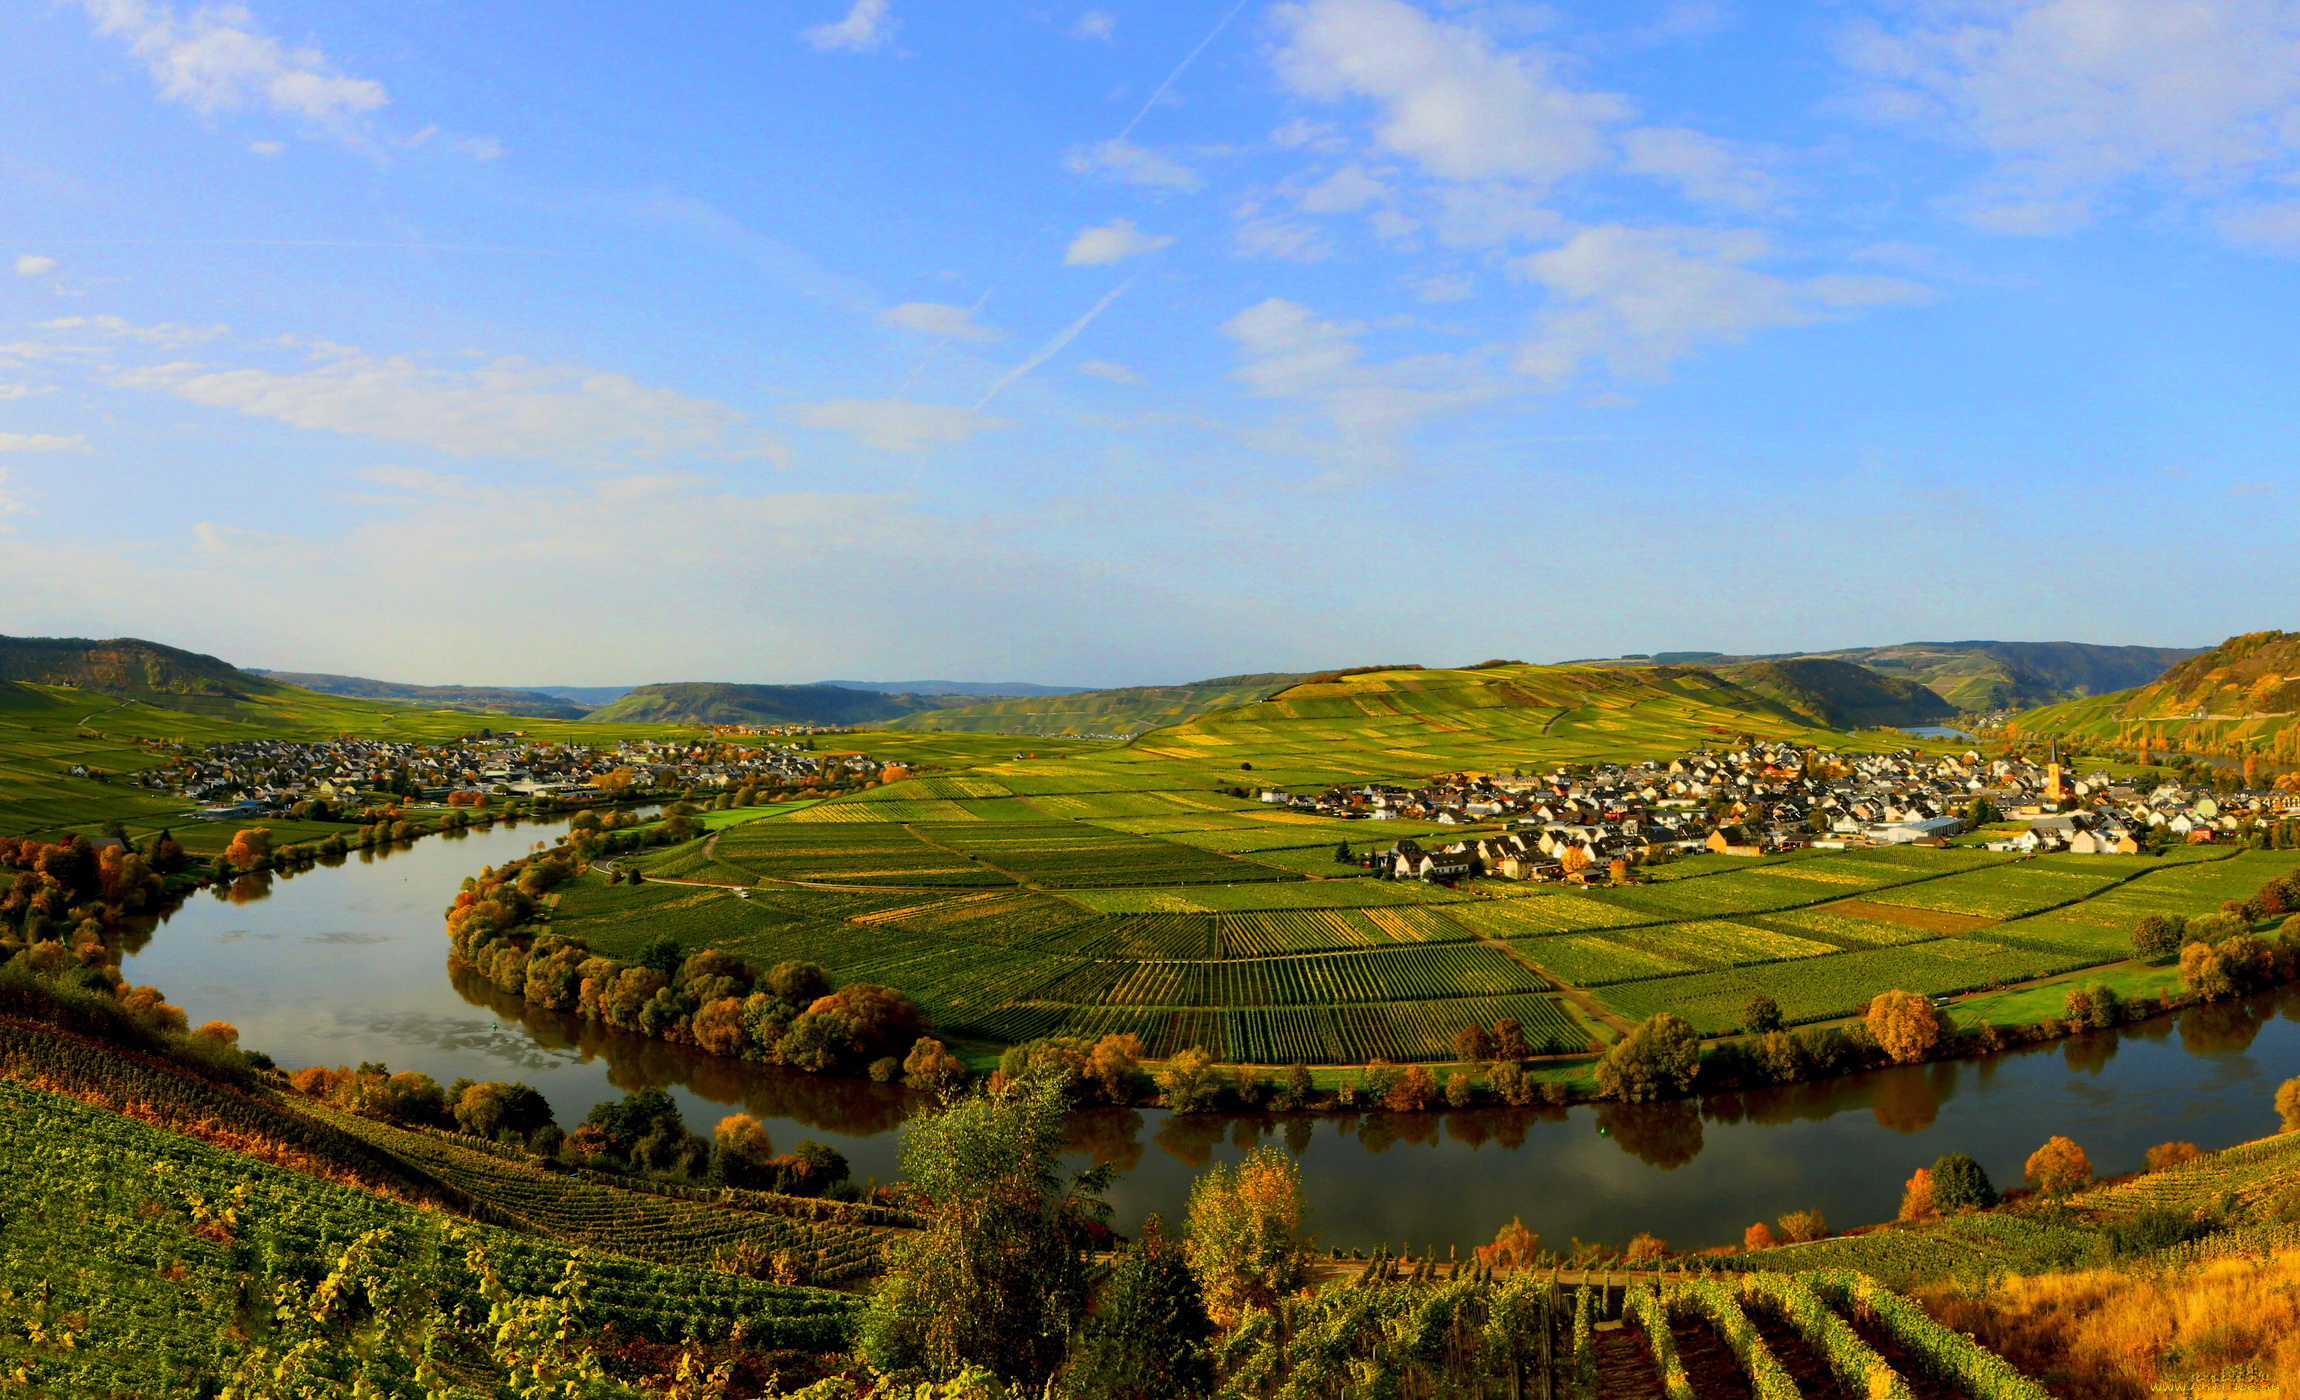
(1959, 1183)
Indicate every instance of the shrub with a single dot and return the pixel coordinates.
(2057, 1167)
(1959, 1183)
(2167, 1155)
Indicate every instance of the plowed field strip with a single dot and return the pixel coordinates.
(1931, 920)
(1710, 1365)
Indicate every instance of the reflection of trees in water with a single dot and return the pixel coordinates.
(2224, 1027)
(1190, 1138)
(1908, 1100)
(2090, 1054)
(854, 1107)
(245, 889)
(1108, 1136)
(1664, 1135)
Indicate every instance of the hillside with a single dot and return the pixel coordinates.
(1127, 710)
(491, 700)
(713, 702)
(1975, 675)
(990, 690)
(123, 666)
(1841, 694)
(2241, 696)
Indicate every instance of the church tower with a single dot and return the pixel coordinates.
(2055, 786)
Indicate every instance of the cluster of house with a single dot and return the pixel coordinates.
(255, 776)
(1765, 798)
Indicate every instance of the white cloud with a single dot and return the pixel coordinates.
(1134, 165)
(1445, 287)
(1704, 167)
(2269, 227)
(1290, 239)
(937, 319)
(1115, 241)
(1447, 95)
(1096, 24)
(1640, 299)
(168, 334)
(217, 58)
(42, 442)
(1286, 351)
(896, 425)
(505, 408)
(9, 393)
(867, 26)
(2073, 98)
(1347, 189)
(1113, 371)
(34, 265)
(267, 149)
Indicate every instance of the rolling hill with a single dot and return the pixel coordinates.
(127, 666)
(2242, 696)
(1125, 711)
(1974, 675)
(1841, 694)
(714, 702)
(491, 700)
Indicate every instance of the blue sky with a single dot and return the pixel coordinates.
(1115, 343)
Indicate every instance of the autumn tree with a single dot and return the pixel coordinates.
(2204, 972)
(1917, 1196)
(249, 848)
(1189, 1083)
(931, 1069)
(1147, 1337)
(742, 1151)
(1416, 1089)
(1473, 1042)
(1645, 1248)
(2288, 1104)
(2156, 937)
(1114, 1064)
(2057, 1167)
(2167, 1155)
(1803, 1227)
(1514, 1247)
(1245, 1240)
(1509, 1039)
(1905, 1025)
(1657, 1059)
(1758, 1236)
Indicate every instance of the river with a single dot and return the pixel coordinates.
(346, 963)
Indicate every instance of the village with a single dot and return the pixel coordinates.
(1600, 825)
(254, 777)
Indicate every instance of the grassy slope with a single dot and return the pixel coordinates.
(1127, 710)
(1840, 693)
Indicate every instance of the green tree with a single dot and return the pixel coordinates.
(1761, 1015)
(2288, 1104)
(1959, 1181)
(1147, 1339)
(2156, 937)
(1656, 1060)
(998, 1276)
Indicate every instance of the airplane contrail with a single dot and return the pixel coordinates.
(1053, 347)
(935, 350)
(1170, 77)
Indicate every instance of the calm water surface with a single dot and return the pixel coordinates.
(348, 963)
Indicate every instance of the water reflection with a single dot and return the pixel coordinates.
(341, 961)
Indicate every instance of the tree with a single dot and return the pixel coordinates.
(1917, 1196)
(1803, 1227)
(742, 1151)
(2057, 1167)
(1473, 1043)
(1147, 1337)
(249, 848)
(2167, 1155)
(1645, 1248)
(1189, 1083)
(1959, 1182)
(931, 1069)
(1657, 1059)
(1757, 1236)
(1295, 1089)
(1509, 1039)
(1514, 1247)
(1415, 1090)
(2203, 972)
(1114, 1064)
(483, 1110)
(997, 1276)
(1245, 1242)
(2288, 1104)
(1761, 1015)
(1906, 1026)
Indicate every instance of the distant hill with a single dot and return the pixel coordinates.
(2241, 696)
(713, 702)
(589, 697)
(1001, 689)
(125, 666)
(1126, 710)
(483, 699)
(1975, 675)
(1840, 694)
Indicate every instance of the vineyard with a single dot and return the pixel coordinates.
(139, 1262)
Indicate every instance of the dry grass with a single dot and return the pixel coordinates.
(2104, 1334)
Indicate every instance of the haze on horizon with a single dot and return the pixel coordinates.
(1111, 343)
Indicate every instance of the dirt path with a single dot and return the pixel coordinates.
(1625, 1365)
(1709, 1363)
(1800, 1358)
